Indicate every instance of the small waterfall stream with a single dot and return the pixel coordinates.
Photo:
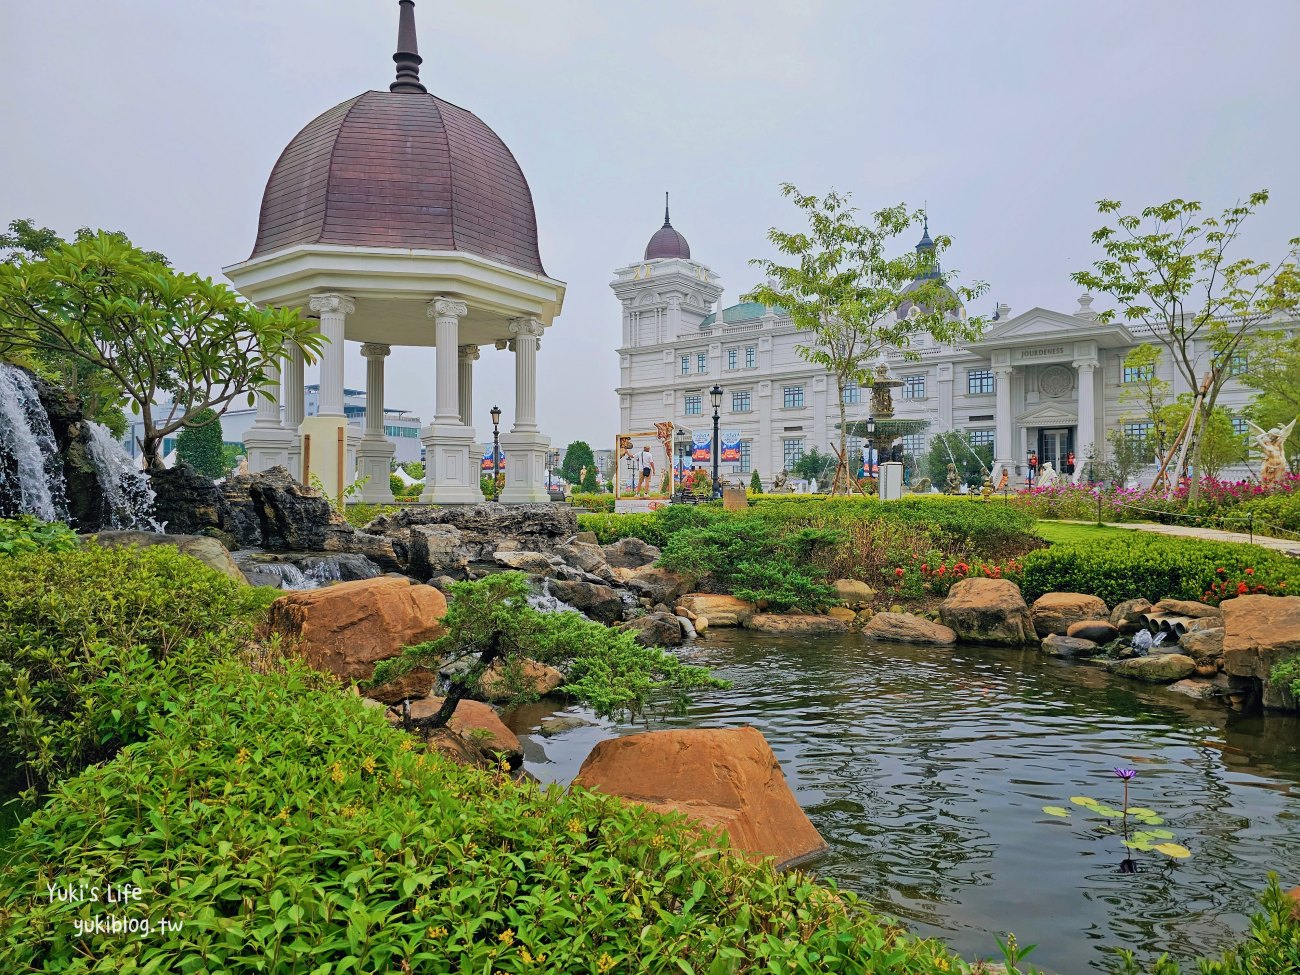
(31, 470)
(127, 493)
(545, 602)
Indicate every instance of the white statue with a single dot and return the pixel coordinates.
(1047, 475)
(1273, 468)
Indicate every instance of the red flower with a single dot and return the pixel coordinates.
(939, 571)
(925, 566)
(1242, 588)
(1250, 572)
(1261, 589)
(961, 567)
(1221, 570)
(899, 573)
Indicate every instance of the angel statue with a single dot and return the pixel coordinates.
(1273, 468)
(1047, 475)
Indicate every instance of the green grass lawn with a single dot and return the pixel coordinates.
(1058, 532)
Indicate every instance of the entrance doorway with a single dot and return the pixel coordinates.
(1055, 446)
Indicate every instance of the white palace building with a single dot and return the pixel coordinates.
(1042, 380)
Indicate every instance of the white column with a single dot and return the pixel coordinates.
(294, 385)
(468, 356)
(333, 310)
(267, 442)
(1086, 436)
(1004, 459)
(945, 397)
(375, 451)
(449, 476)
(524, 446)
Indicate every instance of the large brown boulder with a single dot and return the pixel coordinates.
(1155, 669)
(601, 603)
(724, 778)
(656, 630)
(346, 629)
(630, 553)
(538, 678)
(476, 721)
(1259, 632)
(1202, 644)
(719, 610)
(1184, 607)
(1127, 615)
(657, 585)
(853, 594)
(1055, 611)
(1098, 631)
(795, 624)
(988, 611)
(906, 628)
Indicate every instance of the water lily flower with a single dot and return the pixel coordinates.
(1126, 773)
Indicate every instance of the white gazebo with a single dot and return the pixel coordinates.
(399, 219)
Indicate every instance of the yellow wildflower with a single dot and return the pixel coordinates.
(406, 745)
(506, 937)
(575, 825)
(336, 773)
(284, 813)
(437, 931)
(604, 963)
(656, 841)
(241, 756)
(368, 764)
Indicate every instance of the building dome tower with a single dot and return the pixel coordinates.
(402, 219)
(667, 242)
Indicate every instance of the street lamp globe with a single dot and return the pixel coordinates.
(496, 416)
(716, 395)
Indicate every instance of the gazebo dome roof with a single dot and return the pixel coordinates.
(667, 242)
(402, 169)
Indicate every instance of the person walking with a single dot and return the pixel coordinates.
(646, 461)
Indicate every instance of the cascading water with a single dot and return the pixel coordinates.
(128, 497)
(545, 602)
(31, 470)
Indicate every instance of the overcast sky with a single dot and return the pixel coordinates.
(163, 118)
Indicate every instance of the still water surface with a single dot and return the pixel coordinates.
(927, 771)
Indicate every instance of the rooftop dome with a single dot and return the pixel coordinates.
(404, 169)
(667, 242)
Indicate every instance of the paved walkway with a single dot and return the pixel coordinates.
(1284, 545)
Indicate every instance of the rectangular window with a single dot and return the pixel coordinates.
(791, 452)
(914, 444)
(702, 362)
(751, 357)
(694, 405)
(979, 382)
(852, 394)
(793, 397)
(744, 457)
(733, 357)
(1239, 426)
(740, 402)
(1137, 431)
(1237, 365)
(1136, 374)
(914, 387)
(686, 365)
(980, 438)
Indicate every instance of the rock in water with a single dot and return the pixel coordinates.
(906, 628)
(656, 630)
(724, 778)
(1155, 669)
(346, 629)
(988, 611)
(601, 603)
(1055, 645)
(719, 610)
(796, 624)
(1098, 631)
(1260, 632)
(1055, 611)
(631, 553)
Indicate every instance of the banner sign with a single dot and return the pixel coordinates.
(701, 446)
(487, 460)
(730, 448)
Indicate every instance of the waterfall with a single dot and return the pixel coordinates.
(545, 602)
(31, 470)
(128, 498)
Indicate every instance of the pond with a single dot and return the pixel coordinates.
(927, 772)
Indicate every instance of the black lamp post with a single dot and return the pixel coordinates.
(716, 395)
(496, 451)
(681, 440)
(871, 447)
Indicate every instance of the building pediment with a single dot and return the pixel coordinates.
(1042, 326)
(1049, 415)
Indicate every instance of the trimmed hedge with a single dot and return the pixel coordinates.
(1143, 565)
(287, 829)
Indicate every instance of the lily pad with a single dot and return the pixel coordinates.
(1086, 801)
(1062, 811)
(1136, 844)
(1141, 811)
(1153, 834)
(1174, 850)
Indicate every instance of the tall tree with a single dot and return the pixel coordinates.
(1169, 268)
(201, 445)
(146, 331)
(576, 457)
(845, 291)
(1220, 446)
(1145, 394)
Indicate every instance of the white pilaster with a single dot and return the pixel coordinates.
(1003, 457)
(329, 454)
(334, 310)
(1086, 436)
(375, 451)
(524, 446)
(468, 355)
(449, 477)
(267, 442)
(294, 407)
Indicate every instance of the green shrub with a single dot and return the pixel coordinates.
(1149, 566)
(1272, 511)
(27, 533)
(361, 513)
(611, 527)
(593, 502)
(286, 829)
(200, 444)
(1287, 675)
(93, 641)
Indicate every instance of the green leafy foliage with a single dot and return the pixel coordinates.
(361, 513)
(489, 621)
(953, 448)
(577, 456)
(755, 483)
(1287, 674)
(141, 332)
(593, 502)
(199, 444)
(814, 465)
(1149, 566)
(289, 830)
(93, 642)
(27, 533)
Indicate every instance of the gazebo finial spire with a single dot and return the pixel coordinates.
(407, 57)
(666, 223)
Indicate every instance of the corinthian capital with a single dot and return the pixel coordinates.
(338, 304)
(526, 326)
(375, 350)
(468, 353)
(447, 308)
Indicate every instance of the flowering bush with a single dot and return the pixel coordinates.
(1227, 587)
(934, 574)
